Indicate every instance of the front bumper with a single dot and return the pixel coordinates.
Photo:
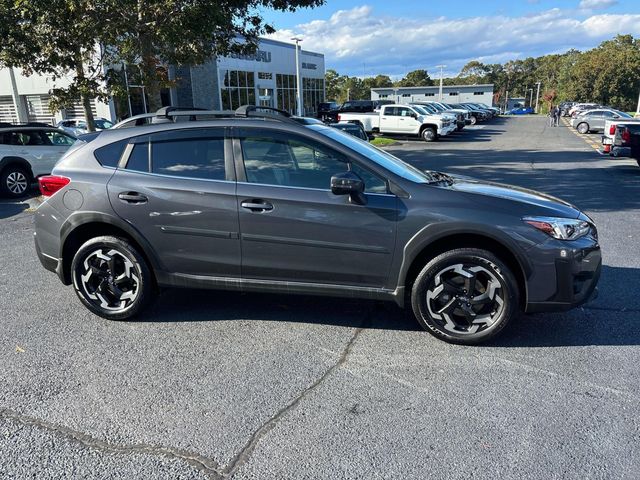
(566, 277)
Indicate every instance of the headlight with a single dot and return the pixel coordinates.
(560, 228)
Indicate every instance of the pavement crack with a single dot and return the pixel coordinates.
(243, 455)
(203, 464)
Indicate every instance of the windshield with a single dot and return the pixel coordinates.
(103, 124)
(382, 158)
(420, 109)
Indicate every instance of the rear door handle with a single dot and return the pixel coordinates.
(257, 205)
(132, 197)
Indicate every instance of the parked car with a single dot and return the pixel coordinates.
(610, 134)
(432, 110)
(594, 120)
(401, 120)
(78, 127)
(305, 209)
(520, 111)
(461, 117)
(325, 110)
(475, 114)
(583, 107)
(27, 152)
(356, 106)
(354, 129)
(565, 107)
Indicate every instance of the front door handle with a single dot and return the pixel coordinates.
(257, 205)
(132, 197)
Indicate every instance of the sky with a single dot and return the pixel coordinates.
(393, 37)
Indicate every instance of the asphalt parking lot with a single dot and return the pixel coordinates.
(216, 384)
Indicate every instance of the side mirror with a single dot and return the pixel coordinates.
(414, 115)
(348, 183)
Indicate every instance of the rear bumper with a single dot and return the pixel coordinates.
(576, 278)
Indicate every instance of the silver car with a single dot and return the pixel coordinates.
(594, 120)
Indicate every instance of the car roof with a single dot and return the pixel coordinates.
(22, 128)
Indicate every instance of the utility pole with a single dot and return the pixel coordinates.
(537, 96)
(440, 90)
(638, 109)
(298, 79)
(506, 101)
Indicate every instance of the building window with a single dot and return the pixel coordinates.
(312, 95)
(406, 94)
(384, 95)
(286, 85)
(265, 76)
(238, 89)
(429, 94)
(478, 93)
(453, 94)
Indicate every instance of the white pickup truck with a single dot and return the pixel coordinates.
(402, 120)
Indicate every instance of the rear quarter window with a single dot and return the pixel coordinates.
(109, 155)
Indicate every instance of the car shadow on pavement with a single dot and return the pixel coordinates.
(613, 319)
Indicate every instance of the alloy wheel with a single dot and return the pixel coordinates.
(17, 182)
(109, 279)
(465, 298)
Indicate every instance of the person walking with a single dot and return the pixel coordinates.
(551, 117)
(556, 116)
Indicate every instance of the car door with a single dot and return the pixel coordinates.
(406, 121)
(35, 147)
(177, 188)
(389, 119)
(293, 228)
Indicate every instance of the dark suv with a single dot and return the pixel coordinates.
(260, 202)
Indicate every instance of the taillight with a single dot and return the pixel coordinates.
(339, 118)
(50, 184)
(612, 130)
(626, 135)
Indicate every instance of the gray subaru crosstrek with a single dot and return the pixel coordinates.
(257, 201)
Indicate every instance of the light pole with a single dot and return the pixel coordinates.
(298, 80)
(638, 109)
(531, 97)
(537, 96)
(440, 89)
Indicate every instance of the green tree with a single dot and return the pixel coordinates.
(57, 38)
(333, 84)
(156, 33)
(416, 78)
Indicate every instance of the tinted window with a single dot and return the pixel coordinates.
(286, 160)
(139, 157)
(32, 139)
(109, 155)
(276, 159)
(197, 153)
(404, 112)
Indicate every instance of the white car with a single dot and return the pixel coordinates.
(27, 153)
(78, 127)
(401, 119)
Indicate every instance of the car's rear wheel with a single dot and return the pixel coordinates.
(429, 134)
(473, 119)
(465, 296)
(111, 278)
(14, 181)
(583, 128)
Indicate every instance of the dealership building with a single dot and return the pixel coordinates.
(266, 77)
(450, 94)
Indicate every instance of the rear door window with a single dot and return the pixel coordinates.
(193, 153)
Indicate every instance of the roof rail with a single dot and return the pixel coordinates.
(265, 112)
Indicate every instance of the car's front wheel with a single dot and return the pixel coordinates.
(583, 128)
(14, 181)
(429, 134)
(465, 296)
(111, 278)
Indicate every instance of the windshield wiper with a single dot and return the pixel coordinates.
(440, 177)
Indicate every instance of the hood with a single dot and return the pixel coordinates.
(541, 201)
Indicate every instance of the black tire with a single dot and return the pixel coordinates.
(429, 134)
(465, 318)
(583, 128)
(15, 181)
(473, 119)
(95, 271)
